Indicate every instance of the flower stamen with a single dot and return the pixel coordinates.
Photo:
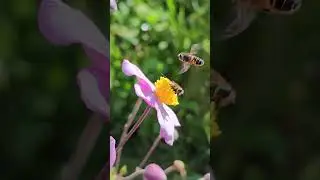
(165, 93)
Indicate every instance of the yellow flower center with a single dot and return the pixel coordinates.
(165, 93)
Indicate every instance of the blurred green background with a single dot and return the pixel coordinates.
(151, 34)
(272, 132)
(42, 115)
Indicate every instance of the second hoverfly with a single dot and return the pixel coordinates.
(190, 59)
(246, 11)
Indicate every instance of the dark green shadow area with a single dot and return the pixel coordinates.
(42, 114)
(272, 130)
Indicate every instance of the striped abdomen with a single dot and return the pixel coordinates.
(196, 61)
(282, 6)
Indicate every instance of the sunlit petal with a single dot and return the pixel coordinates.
(166, 124)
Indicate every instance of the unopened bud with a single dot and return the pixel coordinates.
(154, 172)
(179, 165)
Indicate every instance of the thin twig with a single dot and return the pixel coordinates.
(85, 145)
(170, 169)
(134, 128)
(126, 127)
(151, 150)
(134, 174)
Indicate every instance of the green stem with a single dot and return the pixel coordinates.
(134, 128)
(85, 145)
(151, 150)
(134, 174)
(126, 127)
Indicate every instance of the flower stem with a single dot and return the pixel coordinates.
(85, 144)
(134, 128)
(134, 174)
(126, 127)
(103, 172)
(170, 169)
(152, 148)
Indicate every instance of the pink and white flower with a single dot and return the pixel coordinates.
(63, 25)
(145, 89)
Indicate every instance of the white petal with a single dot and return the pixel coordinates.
(166, 124)
(173, 117)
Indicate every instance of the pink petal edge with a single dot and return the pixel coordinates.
(130, 69)
(112, 151)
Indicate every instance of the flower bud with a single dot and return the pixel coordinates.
(154, 172)
(179, 165)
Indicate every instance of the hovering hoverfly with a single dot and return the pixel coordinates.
(178, 90)
(247, 10)
(222, 92)
(190, 59)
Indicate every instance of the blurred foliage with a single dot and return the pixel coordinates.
(42, 115)
(151, 34)
(272, 130)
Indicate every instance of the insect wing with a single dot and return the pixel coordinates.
(184, 68)
(195, 48)
(242, 17)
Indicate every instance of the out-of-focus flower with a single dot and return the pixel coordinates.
(113, 153)
(113, 5)
(63, 25)
(154, 172)
(206, 176)
(94, 89)
(157, 96)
